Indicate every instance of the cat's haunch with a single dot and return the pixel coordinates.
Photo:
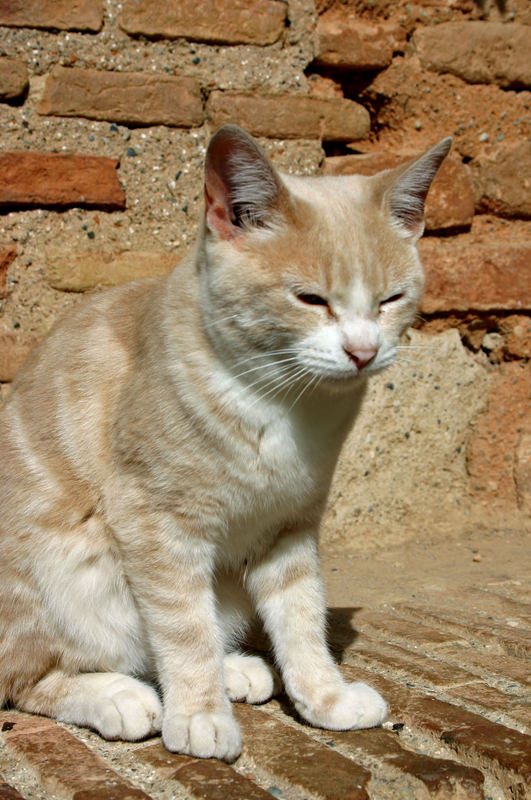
(166, 454)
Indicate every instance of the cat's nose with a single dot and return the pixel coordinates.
(361, 357)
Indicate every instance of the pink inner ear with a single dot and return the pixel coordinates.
(218, 217)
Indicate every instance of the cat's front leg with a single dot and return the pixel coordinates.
(170, 573)
(287, 588)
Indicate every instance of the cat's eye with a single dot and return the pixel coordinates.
(311, 299)
(392, 299)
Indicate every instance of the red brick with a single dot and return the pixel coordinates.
(502, 180)
(83, 270)
(63, 763)
(442, 777)
(7, 256)
(487, 663)
(70, 15)
(490, 698)
(463, 274)
(291, 116)
(7, 792)
(258, 22)
(450, 201)
(14, 350)
(348, 42)
(57, 179)
(483, 743)
(209, 779)
(13, 78)
(128, 97)
(461, 47)
(315, 769)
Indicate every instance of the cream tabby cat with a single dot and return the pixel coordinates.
(167, 451)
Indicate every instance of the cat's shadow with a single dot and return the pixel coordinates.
(341, 634)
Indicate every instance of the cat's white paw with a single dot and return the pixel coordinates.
(249, 679)
(354, 706)
(123, 708)
(203, 735)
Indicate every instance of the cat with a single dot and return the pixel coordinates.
(166, 454)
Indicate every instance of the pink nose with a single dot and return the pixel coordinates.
(361, 357)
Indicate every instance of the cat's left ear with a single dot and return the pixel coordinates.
(406, 195)
(242, 188)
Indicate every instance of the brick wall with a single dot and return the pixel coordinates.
(106, 109)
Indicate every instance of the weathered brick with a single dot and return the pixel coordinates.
(348, 42)
(463, 275)
(259, 22)
(488, 697)
(398, 629)
(495, 464)
(7, 792)
(14, 350)
(291, 116)
(441, 777)
(78, 271)
(13, 78)
(56, 179)
(70, 15)
(7, 256)
(502, 180)
(506, 752)
(450, 201)
(416, 666)
(63, 763)
(515, 641)
(316, 769)
(478, 52)
(485, 662)
(209, 779)
(134, 98)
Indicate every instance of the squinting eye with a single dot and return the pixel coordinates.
(393, 299)
(311, 299)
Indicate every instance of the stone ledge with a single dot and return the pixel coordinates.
(128, 97)
(291, 116)
(260, 22)
(65, 15)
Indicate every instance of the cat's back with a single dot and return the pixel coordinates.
(53, 423)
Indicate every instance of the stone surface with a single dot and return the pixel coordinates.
(348, 42)
(7, 256)
(14, 350)
(70, 15)
(79, 271)
(126, 97)
(450, 201)
(482, 275)
(13, 78)
(62, 761)
(478, 52)
(205, 778)
(290, 117)
(259, 22)
(494, 457)
(502, 180)
(273, 746)
(57, 179)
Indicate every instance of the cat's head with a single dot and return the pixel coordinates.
(315, 279)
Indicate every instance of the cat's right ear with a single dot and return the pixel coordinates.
(242, 189)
